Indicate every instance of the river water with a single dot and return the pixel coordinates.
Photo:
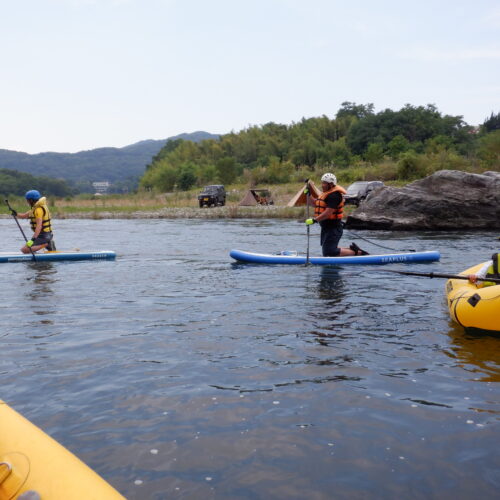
(176, 373)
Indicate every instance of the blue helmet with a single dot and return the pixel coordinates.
(33, 195)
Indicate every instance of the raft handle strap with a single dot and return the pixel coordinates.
(5, 470)
(474, 299)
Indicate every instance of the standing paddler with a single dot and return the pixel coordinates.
(40, 221)
(328, 213)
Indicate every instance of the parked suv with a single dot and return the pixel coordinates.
(358, 191)
(212, 196)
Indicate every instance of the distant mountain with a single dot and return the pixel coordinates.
(115, 165)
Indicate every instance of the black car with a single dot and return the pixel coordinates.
(358, 191)
(212, 196)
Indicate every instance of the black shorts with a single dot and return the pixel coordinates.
(43, 239)
(330, 237)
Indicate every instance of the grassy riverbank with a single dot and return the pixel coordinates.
(184, 204)
(181, 204)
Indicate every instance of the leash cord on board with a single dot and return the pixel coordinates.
(378, 245)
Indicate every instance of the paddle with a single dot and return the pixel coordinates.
(307, 217)
(12, 211)
(439, 275)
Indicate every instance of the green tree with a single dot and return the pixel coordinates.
(362, 133)
(187, 177)
(410, 166)
(438, 143)
(13, 182)
(208, 175)
(355, 133)
(374, 152)
(162, 179)
(279, 172)
(355, 110)
(492, 123)
(416, 124)
(226, 170)
(337, 153)
(397, 145)
(164, 151)
(489, 149)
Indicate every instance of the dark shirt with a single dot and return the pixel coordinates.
(333, 200)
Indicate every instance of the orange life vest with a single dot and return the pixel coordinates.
(321, 206)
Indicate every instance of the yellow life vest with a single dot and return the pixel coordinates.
(492, 271)
(40, 210)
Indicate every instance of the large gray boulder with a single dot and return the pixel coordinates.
(446, 200)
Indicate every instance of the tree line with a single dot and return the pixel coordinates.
(13, 182)
(122, 167)
(273, 153)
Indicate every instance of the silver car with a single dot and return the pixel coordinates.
(358, 191)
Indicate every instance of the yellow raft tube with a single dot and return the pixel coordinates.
(474, 308)
(31, 461)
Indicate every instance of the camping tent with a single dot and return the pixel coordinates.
(256, 197)
(300, 198)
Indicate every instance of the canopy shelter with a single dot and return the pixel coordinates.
(300, 198)
(256, 197)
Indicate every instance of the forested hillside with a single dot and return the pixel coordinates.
(17, 183)
(121, 166)
(409, 143)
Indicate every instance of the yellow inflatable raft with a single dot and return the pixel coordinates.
(473, 307)
(31, 461)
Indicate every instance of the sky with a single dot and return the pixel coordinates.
(83, 74)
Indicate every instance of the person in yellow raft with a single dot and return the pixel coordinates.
(41, 225)
(488, 270)
(328, 212)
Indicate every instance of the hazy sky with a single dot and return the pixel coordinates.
(82, 74)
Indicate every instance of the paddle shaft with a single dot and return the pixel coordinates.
(440, 275)
(20, 228)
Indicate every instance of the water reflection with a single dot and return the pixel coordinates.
(43, 277)
(330, 288)
(477, 353)
(44, 274)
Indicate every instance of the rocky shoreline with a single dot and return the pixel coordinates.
(446, 200)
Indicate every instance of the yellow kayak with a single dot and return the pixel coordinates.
(473, 307)
(31, 461)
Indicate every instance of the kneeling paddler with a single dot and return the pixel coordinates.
(328, 212)
(40, 222)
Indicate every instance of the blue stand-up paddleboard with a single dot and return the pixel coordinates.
(57, 256)
(291, 257)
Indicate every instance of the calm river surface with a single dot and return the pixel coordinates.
(175, 373)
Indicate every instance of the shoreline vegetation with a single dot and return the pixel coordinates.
(176, 205)
(183, 204)
(226, 212)
(396, 147)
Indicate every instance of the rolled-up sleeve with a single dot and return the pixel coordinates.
(482, 272)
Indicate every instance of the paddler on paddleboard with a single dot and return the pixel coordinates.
(40, 222)
(328, 212)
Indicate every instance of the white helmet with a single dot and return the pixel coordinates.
(330, 178)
